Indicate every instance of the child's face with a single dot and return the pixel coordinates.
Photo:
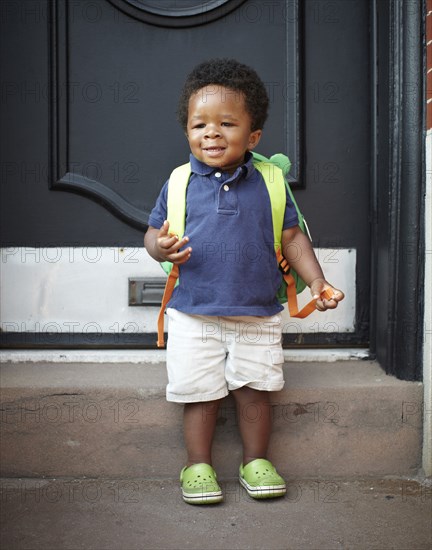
(219, 128)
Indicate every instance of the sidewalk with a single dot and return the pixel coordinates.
(127, 514)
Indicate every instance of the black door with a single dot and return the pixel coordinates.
(110, 72)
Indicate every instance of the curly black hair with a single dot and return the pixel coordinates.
(230, 74)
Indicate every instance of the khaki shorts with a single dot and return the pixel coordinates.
(209, 356)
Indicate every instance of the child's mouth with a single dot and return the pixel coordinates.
(214, 150)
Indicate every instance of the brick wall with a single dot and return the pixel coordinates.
(429, 64)
(427, 349)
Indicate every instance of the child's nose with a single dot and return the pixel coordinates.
(212, 131)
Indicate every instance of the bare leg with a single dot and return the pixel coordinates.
(254, 415)
(199, 421)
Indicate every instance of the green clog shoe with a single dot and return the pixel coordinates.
(199, 484)
(261, 480)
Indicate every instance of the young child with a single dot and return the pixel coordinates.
(224, 331)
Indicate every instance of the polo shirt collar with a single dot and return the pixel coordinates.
(202, 169)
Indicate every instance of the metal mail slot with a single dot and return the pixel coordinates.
(146, 291)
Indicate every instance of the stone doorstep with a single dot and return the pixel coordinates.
(332, 420)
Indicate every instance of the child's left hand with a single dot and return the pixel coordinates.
(332, 295)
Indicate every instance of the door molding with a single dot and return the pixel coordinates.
(398, 181)
(178, 15)
(61, 178)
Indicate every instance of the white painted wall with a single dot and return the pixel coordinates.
(85, 290)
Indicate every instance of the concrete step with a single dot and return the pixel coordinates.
(332, 420)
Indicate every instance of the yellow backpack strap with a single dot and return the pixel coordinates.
(275, 183)
(176, 216)
(176, 201)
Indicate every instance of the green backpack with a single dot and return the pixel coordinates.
(274, 171)
(283, 162)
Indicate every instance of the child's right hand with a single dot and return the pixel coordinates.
(167, 246)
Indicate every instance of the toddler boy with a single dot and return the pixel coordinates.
(224, 317)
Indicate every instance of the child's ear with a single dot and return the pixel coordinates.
(254, 139)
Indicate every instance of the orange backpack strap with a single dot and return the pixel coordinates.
(292, 293)
(169, 287)
(176, 215)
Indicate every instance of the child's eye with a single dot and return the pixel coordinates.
(227, 124)
(199, 125)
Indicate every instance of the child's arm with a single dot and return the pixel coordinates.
(164, 247)
(298, 251)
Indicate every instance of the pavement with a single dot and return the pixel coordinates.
(137, 513)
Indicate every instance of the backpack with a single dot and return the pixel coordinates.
(274, 171)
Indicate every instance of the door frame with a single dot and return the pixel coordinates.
(398, 185)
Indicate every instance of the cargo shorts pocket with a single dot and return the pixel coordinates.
(277, 357)
(275, 373)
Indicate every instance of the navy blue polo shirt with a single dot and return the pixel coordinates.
(232, 269)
